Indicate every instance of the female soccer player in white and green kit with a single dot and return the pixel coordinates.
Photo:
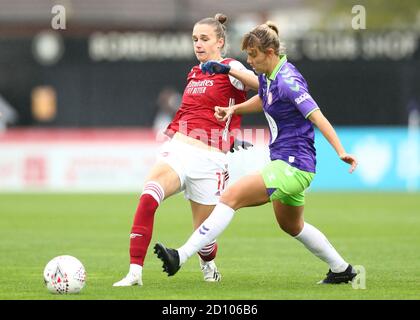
(291, 112)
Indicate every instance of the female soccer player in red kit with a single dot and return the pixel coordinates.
(194, 160)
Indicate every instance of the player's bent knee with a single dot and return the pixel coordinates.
(291, 229)
(229, 199)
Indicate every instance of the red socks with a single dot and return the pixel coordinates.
(208, 253)
(142, 229)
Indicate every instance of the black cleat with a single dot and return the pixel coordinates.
(339, 277)
(169, 257)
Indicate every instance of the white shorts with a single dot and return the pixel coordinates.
(203, 173)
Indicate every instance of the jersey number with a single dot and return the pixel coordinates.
(222, 178)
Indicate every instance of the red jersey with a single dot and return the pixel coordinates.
(195, 117)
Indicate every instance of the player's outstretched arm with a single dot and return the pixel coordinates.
(252, 105)
(329, 133)
(248, 78)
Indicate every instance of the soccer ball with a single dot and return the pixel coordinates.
(64, 274)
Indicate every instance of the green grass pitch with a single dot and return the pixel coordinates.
(380, 231)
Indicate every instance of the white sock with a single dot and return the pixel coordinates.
(209, 230)
(135, 269)
(316, 242)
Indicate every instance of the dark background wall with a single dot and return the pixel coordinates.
(353, 92)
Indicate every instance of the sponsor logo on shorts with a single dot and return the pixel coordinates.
(289, 171)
